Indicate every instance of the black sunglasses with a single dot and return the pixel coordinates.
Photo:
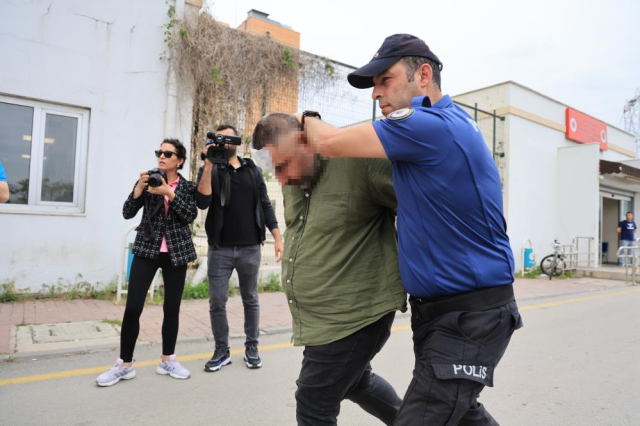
(167, 154)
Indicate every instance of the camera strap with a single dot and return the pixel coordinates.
(225, 188)
(148, 230)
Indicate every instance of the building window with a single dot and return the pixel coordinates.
(43, 149)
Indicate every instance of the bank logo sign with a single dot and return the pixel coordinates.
(584, 129)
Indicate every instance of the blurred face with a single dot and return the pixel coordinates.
(294, 161)
(392, 89)
(629, 217)
(233, 149)
(169, 164)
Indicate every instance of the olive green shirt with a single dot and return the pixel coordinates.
(340, 265)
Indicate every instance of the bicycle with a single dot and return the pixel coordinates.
(554, 264)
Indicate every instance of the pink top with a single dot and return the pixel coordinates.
(172, 185)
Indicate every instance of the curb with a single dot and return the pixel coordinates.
(98, 348)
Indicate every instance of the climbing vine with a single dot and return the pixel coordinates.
(234, 77)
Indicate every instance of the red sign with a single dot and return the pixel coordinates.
(584, 129)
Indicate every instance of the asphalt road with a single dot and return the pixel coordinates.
(576, 362)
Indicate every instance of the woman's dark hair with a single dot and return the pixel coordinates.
(180, 149)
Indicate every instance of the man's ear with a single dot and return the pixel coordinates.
(426, 74)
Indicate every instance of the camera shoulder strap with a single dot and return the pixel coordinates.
(215, 185)
(148, 231)
(225, 189)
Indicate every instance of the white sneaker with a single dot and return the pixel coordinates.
(173, 368)
(116, 373)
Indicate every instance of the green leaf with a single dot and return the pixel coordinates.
(215, 75)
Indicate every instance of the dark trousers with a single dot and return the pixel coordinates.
(222, 261)
(456, 355)
(142, 272)
(342, 370)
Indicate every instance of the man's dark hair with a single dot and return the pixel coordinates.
(629, 213)
(270, 127)
(227, 126)
(180, 149)
(412, 63)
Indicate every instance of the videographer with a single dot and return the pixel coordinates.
(235, 226)
(163, 241)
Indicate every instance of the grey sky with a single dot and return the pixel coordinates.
(584, 54)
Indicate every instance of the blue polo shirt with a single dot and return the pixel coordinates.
(3, 175)
(452, 233)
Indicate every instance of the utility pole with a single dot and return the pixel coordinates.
(632, 118)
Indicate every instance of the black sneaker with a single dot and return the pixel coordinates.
(252, 358)
(219, 359)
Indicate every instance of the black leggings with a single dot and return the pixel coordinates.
(142, 273)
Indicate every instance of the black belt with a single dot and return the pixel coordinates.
(477, 300)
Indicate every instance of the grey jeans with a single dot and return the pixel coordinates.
(222, 261)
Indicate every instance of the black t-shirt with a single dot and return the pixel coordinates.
(240, 227)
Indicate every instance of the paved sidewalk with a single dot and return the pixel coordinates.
(194, 314)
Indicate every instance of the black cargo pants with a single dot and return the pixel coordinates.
(456, 354)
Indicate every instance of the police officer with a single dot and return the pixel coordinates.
(455, 259)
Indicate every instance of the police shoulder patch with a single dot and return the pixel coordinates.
(401, 114)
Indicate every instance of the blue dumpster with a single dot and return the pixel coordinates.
(528, 258)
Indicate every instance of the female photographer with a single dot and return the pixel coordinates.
(163, 240)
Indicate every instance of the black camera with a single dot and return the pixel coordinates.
(217, 152)
(155, 177)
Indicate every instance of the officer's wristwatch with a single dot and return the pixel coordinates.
(307, 113)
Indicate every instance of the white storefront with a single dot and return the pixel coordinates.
(84, 101)
(552, 185)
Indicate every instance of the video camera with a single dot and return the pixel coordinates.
(217, 152)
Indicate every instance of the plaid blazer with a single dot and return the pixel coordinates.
(174, 226)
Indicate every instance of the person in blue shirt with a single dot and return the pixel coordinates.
(4, 186)
(455, 259)
(627, 229)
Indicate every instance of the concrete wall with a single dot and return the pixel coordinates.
(102, 56)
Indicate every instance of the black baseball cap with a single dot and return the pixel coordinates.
(393, 49)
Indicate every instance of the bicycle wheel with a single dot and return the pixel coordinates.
(546, 265)
(552, 268)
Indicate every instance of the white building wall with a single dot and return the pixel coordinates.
(622, 139)
(578, 200)
(103, 56)
(489, 98)
(532, 189)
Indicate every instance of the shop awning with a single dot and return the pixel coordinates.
(618, 169)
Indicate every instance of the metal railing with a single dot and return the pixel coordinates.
(574, 258)
(630, 256)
